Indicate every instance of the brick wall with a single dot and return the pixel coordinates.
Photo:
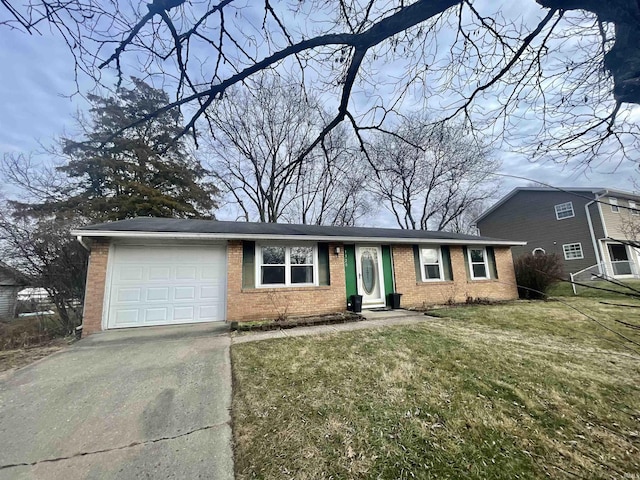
(257, 303)
(418, 294)
(94, 292)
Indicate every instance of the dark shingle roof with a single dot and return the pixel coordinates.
(164, 226)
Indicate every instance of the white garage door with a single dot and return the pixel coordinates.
(166, 285)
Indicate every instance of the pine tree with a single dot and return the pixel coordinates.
(141, 172)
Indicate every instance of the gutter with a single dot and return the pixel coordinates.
(316, 238)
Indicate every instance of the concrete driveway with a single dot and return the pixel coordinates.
(140, 403)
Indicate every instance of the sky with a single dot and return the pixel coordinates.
(39, 98)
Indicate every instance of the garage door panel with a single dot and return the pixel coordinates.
(130, 273)
(166, 285)
(210, 293)
(159, 273)
(155, 315)
(186, 273)
(208, 311)
(126, 317)
(183, 314)
(125, 295)
(157, 294)
(184, 293)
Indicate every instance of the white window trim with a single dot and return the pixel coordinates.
(423, 263)
(486, 263)
(573, 212)
(287, 265)
(615, 208)
(538, 249)
(633, 208)
(564, 252)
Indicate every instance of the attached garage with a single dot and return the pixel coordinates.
(165, 285)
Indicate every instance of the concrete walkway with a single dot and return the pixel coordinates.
(136, 403)
(374, 319)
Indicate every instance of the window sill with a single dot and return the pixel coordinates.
(482, 280)
(434, 282)
(285, 288)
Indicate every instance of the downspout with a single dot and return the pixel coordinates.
(593, 234)
(83, 243)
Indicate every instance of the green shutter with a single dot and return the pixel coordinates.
(324, 275)
(387, 269)
(465, 254)
(350, 270)
(248, 264)
(491, 260)
(416, 262)
(446, 263)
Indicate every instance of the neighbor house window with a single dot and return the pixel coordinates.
(572, 251)
(478, 265)
(633, 208)
(431, 261)
(538, 251)
(614, 205)
(564, 210)
(287, 265)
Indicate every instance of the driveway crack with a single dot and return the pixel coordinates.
(106, 450)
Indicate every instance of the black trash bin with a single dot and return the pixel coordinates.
(394, 300)
(356, 303)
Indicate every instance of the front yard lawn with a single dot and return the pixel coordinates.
(522, 390)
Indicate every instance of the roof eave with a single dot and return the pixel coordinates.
(315, 238)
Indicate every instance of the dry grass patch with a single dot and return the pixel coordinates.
(452, 398)
(11, 359)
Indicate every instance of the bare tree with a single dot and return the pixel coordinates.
(257, 139)
(44, 251)
(331, 188)
(429, 177)
(569, 65)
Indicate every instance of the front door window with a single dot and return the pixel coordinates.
(368, 266)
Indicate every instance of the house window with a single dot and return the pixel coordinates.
(538, 251)
(478, 265)
(281, 265)
(572, 251)
(614, 204)
(564, 210)
(431, 261)
(633, 208)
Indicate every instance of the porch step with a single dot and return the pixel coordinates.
(381, 313)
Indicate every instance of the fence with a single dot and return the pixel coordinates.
(602, 272)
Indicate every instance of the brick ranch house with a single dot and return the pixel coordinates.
(153, 271)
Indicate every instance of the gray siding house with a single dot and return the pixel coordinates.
(11, 282)
(586, 227)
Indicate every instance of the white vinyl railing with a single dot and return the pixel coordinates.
(604, 271)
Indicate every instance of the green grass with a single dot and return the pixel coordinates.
(564, 289)
(523, 390)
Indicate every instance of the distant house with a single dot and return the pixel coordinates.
(585, 226)
(11, 282)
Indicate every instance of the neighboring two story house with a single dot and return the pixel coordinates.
(587, 227)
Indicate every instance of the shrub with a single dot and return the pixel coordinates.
(536, 273)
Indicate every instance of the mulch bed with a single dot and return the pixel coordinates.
(329, 319)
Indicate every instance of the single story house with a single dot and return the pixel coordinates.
(158, 271)
(11, 282)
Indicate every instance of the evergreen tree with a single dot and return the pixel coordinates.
(141, 172)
